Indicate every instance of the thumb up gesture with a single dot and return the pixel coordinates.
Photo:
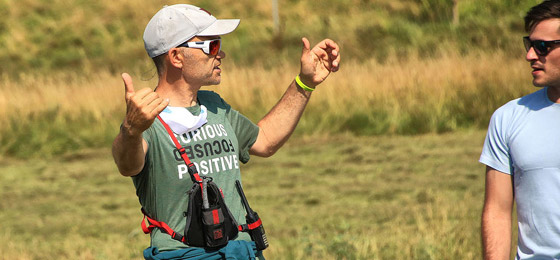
(142, 107)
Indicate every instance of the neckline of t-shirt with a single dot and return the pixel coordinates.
(194, 110)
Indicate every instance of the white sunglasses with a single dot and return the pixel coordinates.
(211, 47)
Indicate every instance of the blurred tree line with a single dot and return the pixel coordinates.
(55, 35)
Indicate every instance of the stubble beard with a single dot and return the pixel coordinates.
(544, 82)
(214, 79)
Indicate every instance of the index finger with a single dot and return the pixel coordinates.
(332, 51)
(329, 44)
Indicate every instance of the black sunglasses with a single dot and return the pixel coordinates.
(541, 47)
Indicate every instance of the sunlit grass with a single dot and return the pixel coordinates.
(67, 111)
(338, 197)
(104, 35)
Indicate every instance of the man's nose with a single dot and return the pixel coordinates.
(531, 54)
(221, 55)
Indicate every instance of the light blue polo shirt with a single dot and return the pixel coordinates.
(523, 140)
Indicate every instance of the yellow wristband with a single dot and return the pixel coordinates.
(303, 86)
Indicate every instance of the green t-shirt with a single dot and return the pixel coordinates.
(215, 148)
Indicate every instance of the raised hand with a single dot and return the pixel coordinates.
(142, 107)
(319, 62)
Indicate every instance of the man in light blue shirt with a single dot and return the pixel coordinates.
(522, 152)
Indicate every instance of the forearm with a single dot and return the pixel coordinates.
(496, 215)
(279, 123)
(128, 152)
(496, 234)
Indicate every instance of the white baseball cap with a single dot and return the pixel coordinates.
(176, 24)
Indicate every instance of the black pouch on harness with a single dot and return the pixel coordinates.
(209, 221)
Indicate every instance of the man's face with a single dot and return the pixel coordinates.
(200, 68)
(546, 69)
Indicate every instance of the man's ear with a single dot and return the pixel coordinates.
(175, 57)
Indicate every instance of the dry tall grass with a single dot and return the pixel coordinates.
(418, 209)
(396, 97)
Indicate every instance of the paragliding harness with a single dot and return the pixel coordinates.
(209, 222)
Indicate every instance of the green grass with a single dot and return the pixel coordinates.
(45, 116)
(337, 197)
(60, 35)
(406, 68)
(335, 192)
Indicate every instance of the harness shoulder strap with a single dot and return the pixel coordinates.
(191, 167)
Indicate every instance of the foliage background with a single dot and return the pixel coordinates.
(62, 35)
(392, 139)
(411, 66)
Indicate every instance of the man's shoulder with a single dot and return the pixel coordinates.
(519, 112)
(529, 102)
(209, 95)
(213, 101)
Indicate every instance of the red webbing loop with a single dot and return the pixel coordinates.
(251, 226)
(257, 224)
(145, 228)
(159, 224)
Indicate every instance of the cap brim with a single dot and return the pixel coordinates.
(220, 27)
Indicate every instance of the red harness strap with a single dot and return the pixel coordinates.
(191, 167)
(161, 225)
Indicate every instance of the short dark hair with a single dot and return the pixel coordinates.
(548, 9)
(159, 62)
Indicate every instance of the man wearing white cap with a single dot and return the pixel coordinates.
(184, 42)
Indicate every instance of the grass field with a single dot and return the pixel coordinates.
(336, 197)
(383, 164)
(105, 35)
(65, 112)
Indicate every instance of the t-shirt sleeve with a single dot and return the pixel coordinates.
(246, 132)
(495, 152)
